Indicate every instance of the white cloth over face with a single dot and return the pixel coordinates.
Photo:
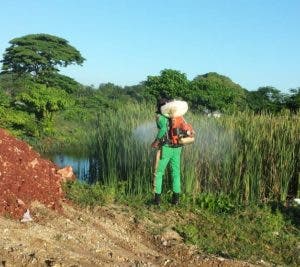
(175, 108)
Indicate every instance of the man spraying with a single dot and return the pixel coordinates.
(173, 133)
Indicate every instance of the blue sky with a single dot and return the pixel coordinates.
(254, 42)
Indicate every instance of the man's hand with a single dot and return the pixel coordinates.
(155, 144)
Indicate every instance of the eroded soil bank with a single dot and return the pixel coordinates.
(25, 177)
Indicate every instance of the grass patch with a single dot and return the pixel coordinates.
(84, 194)
(252, 234)
(212, 223)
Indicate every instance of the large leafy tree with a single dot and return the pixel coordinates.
(4, 98)
(12, 83)
(293, 101)
(139, 93)
(39, 55)
(111, 90)
(170, 83)
(266, 98)
(216, 92)
(43, 101)
(61, 82)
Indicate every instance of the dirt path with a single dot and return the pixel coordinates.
(105, 236)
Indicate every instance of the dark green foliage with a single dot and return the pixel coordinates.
(267, 99)
(216, 92)
(13, 84)
(20, 123)
(89, 195)
(139, 93)
(114, 92)
(93, 100)
(251, 234)
(39, 55)
(293, 101)
(11, 117)
(43, 101)
(59, 81)
(31, 81)
(216, 204)
(170, 83)
(4, 98)
(111, 90)
(209, 91)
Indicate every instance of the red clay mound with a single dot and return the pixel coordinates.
(26, 177)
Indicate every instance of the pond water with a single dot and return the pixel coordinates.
(80, 165)
(89, 169)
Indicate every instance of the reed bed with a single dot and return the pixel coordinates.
(250, 158)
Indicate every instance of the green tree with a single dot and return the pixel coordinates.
(111, 90)
(216, 92)
(39, 55)
(139, 93)
(293, 100)
(266, 98)
(4, 98)
(43, 101)
(61, 82)
(170, 83)
(12, 83)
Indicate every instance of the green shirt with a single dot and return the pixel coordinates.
(162, 125)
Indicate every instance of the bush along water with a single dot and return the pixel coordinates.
(252, 158)
(119, 153)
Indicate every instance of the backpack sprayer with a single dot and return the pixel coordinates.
(180, 132)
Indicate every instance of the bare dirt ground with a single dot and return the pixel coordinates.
(103, 236)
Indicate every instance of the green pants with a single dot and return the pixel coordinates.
(172, 155)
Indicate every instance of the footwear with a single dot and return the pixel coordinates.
(156, 200)
(175, 199)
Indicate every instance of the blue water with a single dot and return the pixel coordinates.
(85, 168)
(81, 166)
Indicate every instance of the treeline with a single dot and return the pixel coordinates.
(212, 91)
(33, 92)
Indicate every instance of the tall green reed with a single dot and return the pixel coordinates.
(251, 158)
(117, 155)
